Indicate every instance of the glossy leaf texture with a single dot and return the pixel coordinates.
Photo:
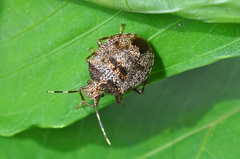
(191, 115)
(44, 45)
(226, 11)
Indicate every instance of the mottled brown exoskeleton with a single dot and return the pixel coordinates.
(120, 64)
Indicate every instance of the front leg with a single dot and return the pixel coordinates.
(83, 100)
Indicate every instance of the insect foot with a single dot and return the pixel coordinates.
(121, 63)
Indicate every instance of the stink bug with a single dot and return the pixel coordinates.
(121, 63)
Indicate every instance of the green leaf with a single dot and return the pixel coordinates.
(191, 115)
(206, 10)
(44, 46)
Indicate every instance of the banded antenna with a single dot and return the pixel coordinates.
(90, 105)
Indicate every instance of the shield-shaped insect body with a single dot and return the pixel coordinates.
(121, 63)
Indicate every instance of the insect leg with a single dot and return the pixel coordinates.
(121, 28)
(101, 39)
(119, 99)
(142, 90)
(96, 100)
(105, 38)
(92, 54)
(83, 100)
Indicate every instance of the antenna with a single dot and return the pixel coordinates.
(88, 104)
(101, 126)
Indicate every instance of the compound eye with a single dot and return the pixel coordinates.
(101, 94)
(89, 82)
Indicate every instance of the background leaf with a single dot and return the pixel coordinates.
(206, 10)
(44, 46)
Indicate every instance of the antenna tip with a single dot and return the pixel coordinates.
(108, 141)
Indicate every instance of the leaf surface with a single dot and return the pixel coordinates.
(206, 10)
(44, 46)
